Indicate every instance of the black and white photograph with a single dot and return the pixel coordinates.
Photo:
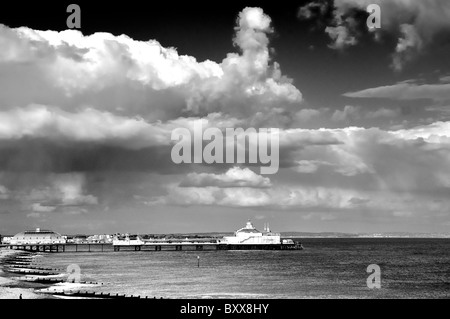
(225, 155)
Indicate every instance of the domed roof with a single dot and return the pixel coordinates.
(38, 232)
(248, 229)
(244, 230)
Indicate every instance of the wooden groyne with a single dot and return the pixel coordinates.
(53, 280)
(95, 294)
(34, 267)
(32, 271)
(22, 264)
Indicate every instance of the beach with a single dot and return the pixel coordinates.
(19, 278)
(328, 268)
(11, 288)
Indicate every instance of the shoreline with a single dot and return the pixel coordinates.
(12, 285)
(11, 288)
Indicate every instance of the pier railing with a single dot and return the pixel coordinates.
(148, 246)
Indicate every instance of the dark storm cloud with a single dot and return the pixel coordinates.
(40, 155)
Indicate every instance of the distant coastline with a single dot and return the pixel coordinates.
(362, 235)
(296, 234)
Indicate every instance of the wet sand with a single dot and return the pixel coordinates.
(11, 288)
(10, 285)
(13, 285)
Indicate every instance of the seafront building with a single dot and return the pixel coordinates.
(5, 239)
(77, 239)
(249, 235)
(100, 239)
(37, 237)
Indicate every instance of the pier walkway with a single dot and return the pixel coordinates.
(148, 246)
(199, 246)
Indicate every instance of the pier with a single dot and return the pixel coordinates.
(246, 238)
(196, 246)
(147, 246)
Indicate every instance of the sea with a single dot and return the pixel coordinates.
(326, 268)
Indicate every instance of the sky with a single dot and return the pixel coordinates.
(86, 116)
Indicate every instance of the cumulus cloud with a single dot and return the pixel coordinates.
(4, 192)
(89, 125)
(58, 193)
(436, 133)
(416, 24)
(335, 200)
(37, 207)
(352, 113)
(369, 168)
(341, 37)
(409, 44)
(116, 100)
(251, 33)
(348, 113)
(134, 78)
(73, 105)
(234, 177)
(444, 79)
(69, 189)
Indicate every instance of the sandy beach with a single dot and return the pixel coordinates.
(11, 288)
(14, 285)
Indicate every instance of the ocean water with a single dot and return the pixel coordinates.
(326, 268)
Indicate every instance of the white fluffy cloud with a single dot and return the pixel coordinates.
(38, 208)
(335, 200)
(234, 177)
(89, 125)
(128, 77)
(4, 192)
(57, 193)
(436, 133)
(341, 37)
(389, 171)
(86, 103)
(352, 113)
(409, 44)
